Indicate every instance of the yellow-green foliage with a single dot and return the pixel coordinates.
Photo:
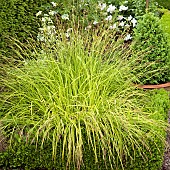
(77, 96)
(32, 157)
(165, 22)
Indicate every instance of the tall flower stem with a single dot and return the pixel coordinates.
(147, 5)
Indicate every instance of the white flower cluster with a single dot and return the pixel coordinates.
(128, 21)
(46, 19)
(38, 13)
(127, 37)
(113, 15)
(54, 4)
(52, 13)
(123, 8)
(111, 8)
(123, 22)
(48, 31)
(102, 6)
(108, 18)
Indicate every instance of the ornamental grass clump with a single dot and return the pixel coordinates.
(78, 93)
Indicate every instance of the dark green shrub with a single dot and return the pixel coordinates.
(17, 19)
(158, 102)
(164, 3)
(138, 7)
(150, 41)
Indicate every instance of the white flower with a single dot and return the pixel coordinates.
(43, 19)
(102, 6)
(40, 37)
(65, 17)
(130, 18)
(41, 30)
(67, 34)
(49, 30)
(108, 18)
(121, 24)
(95, 22)
(113, 26)
(54, 4)
(46, 19)
(134, 22)
(69, 29)
(128, 37)
(123, 8)
(46, 15)
(111, 8)
(50, 27)
(120, 17)
(52, 13)
(38, 13)
(127, 25)
(88, 27)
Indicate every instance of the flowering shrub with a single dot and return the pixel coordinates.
(138, 7)
(105, 15)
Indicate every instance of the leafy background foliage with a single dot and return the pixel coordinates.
(17, 19)
(149, 38)
(164, 3)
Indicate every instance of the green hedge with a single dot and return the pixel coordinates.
(17, 19)
(152, 49)
(164, 3)
(22, 155)
(165, 23)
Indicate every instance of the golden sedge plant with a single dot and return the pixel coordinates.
(79, 90)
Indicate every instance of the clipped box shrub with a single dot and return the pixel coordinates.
(151, 47)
